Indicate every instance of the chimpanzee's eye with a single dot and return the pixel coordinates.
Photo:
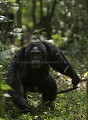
(35, 55)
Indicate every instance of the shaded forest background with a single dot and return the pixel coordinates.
(65, 24)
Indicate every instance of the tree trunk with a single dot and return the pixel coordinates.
(34, 13)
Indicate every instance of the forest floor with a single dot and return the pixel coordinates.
(67, 106)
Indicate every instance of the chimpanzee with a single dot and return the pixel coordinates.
(30, 69)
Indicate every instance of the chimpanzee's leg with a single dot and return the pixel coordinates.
(49, 89)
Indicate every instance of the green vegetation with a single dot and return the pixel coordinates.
(65, 23)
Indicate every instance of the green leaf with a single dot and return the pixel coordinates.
(5, 54)
(11, 1)
(38, 3)
(2, 119)
(30, 24)
(86, 74)
(5, 87)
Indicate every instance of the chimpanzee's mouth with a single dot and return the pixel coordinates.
(35, 64)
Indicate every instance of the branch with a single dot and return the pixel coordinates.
(25, 43)
(68, 90)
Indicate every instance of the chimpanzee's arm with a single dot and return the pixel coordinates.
(12, 72)
(59, 63)
(14, 81)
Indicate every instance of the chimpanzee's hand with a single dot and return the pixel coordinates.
(30, 109)
(76, 81)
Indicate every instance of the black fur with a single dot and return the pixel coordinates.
(22, 77)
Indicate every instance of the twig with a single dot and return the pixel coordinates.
(22, 47)
(68, 90)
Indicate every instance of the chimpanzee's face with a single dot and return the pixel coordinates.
(35, 57)
(36, 54)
